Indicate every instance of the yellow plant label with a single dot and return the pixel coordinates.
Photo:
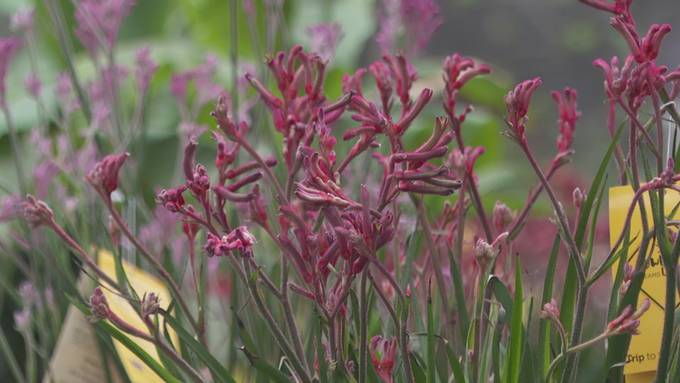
(77, 358)
(644, 348)
(142, 282)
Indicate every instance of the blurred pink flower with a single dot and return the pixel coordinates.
(389, 26)
(203, 79)
(10, 207)
(8, 48)
(65, 94)
(414, 20)
(22, 20)
(145, 68)
(421, 19)
(33, 85)
(325, 38)
(22, 319)
(206, 88)
(42, 177)
(159, 232)
(99, 22)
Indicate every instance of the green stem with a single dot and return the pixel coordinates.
(572, 361)
(572, 350)
(363, 327)
(288, 312)
(10, 358)
(273, 326)
(668, 324)
(176, 293)
(434, 255)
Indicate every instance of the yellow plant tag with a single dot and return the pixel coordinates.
(644, 348)
(142, 282)
(77, 358)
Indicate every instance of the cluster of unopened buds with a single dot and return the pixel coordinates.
(629, 319)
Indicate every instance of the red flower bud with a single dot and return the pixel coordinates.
(517, 102)
(104, 175)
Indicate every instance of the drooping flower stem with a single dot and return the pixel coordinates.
(176, 293)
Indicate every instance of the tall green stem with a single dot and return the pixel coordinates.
(363, 327)
(668, 324)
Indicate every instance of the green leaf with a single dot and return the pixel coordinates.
(418, 370)
(255, 360)
(456, 366)
(430, 339)
(618, 345)
(600, 177)
(459, 292)
(495, 348)
(267, 369)
(622, 257)
(9, 357)
(569, 289)
(219, 371)
(593, 226)
(502, 293)
(528, 370)
(609, 262)
(544, 326)
(413, 245)
(516, 330)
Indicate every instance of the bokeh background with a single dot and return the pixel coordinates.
(556, 40)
